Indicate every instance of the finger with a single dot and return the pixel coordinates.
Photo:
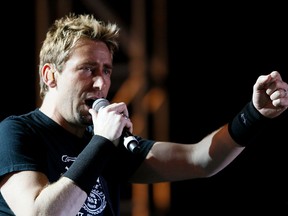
(264, 81)
(125, 116)
(92, 112)
(118, 108)
(277, 86)
(275, 75)
(285, 92)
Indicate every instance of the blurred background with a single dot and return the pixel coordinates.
(184, 69)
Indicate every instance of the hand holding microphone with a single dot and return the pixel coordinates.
(130, 142)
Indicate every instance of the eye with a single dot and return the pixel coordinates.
(88, 69)
(107, 71)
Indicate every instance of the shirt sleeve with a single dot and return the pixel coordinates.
(125, 163)
(17, 147)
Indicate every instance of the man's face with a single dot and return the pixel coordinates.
(86, 76)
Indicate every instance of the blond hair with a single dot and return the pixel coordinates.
(64, 34)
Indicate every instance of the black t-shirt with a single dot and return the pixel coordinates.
(35, 142)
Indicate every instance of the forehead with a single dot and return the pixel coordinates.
(90, 50)
(91, 46)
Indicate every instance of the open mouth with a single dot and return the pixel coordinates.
(89, 102)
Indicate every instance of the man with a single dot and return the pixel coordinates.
(67, 158)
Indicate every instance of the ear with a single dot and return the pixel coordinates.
(48, 75)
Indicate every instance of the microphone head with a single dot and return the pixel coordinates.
(100, 103)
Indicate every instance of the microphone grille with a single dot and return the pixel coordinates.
(100, 103)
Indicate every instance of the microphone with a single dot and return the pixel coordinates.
(130, 142)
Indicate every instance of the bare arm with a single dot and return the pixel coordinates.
(29, 193)
(174, 161)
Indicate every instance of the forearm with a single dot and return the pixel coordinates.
(241, 131)
(218, 150)
(207, 157)
(169, 161)
(90, 163)
(61, 198)
(29, 193)
(65, 196)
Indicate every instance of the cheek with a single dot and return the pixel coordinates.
(108, 83)
(70, 86)
(107, 86)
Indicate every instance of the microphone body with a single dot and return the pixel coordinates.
(130, 142)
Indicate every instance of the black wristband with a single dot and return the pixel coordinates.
(247, 124)
(90, 162)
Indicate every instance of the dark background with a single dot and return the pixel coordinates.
(216, 52)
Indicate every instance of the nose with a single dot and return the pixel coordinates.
(99, 82)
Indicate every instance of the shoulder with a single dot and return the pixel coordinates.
(15, 121)
(21, 125)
